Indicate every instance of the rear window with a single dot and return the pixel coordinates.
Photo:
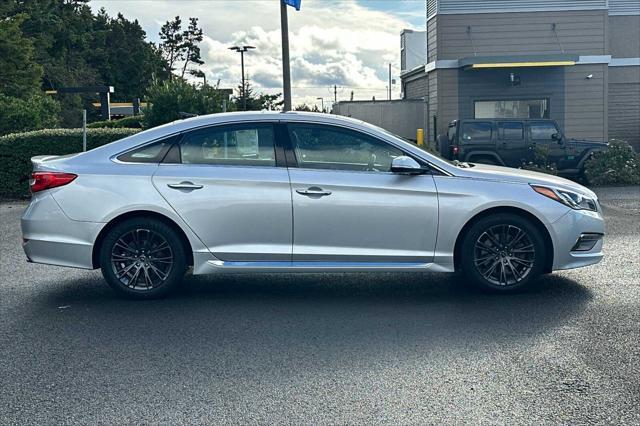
(476, 131)
(152, 153)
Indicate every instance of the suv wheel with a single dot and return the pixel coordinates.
(503, 253)
(142, 258)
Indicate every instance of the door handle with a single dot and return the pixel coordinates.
(184, 185)
(314, 191)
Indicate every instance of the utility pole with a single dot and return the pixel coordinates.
(286, 71)
(389, 81)
(241, 50)
(335, 94)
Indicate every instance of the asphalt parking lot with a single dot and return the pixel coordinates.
(324, 348)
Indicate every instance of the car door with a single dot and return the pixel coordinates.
(544, 145)
(227, 185)
(349, 207)
(512, 145)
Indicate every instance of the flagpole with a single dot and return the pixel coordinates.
(286, 72)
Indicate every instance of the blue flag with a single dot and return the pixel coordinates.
(294, 3)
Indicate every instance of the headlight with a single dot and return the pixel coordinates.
(568, 198)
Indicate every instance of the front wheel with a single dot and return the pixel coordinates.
(503, 253)
(142, 258)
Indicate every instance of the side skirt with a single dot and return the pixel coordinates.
(219, 266)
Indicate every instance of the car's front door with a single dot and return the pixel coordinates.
(226, 184)
(546, 148)
(349, 207)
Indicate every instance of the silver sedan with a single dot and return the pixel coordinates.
(298, 192)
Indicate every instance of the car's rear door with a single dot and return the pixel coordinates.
(512, 144)
(229, 186)
(349, 207)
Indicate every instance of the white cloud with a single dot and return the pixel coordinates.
(331, 42)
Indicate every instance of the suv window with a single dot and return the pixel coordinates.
(152, 153)
(328, 147)
(542, 130)
(476, 131)
(241, 144)
(451, 133)
(511, 130)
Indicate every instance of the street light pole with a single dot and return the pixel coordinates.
(241, 50)
(286, 71)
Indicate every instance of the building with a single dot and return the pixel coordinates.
(575, 61)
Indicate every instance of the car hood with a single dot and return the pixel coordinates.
(508, 174)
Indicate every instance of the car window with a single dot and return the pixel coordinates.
(327, 147)
(542, 130)
(152, 153)
(476, 131)
(243, 145)
(511, 130)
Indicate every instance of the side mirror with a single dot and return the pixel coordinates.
(406, 166)
(557, 137)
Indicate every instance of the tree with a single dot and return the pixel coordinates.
(305, 107)
(19, 73)
(191, 37)
(172, 43)
(32, 113)
(172, 98)
(259, 102)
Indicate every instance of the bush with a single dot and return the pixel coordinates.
(541, 161)
(167, 100)
(32, 113)
(133, 122)
(619, 165)
(17, 149)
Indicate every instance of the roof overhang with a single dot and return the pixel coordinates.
(517, 61)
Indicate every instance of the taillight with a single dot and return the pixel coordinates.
(455, 150)
(47, 180)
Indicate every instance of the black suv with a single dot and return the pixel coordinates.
(514, 142)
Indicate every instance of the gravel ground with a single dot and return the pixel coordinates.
(324, 348)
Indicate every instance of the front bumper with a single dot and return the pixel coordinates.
(567, 232)
(50, 237)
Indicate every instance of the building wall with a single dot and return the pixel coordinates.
(578, 32)
(624, 104)
(586, 102)
(400, 117)
(624, 36)
(432, 39)
(416, 88)
(448, 94)
(432, 96)
(413, 51)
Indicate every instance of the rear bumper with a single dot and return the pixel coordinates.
(568, 230)
(50, 237)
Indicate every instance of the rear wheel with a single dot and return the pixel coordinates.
(142, 258)
(503, 253)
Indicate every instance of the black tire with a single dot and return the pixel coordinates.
(149, 247)
(519, 259)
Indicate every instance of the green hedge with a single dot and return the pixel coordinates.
(17, 149)
(134, 122)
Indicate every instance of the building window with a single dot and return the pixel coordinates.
(512, 108)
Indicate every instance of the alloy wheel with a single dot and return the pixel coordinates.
(142, 259)
(504, 255)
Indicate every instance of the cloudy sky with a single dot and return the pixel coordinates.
(344, 42)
